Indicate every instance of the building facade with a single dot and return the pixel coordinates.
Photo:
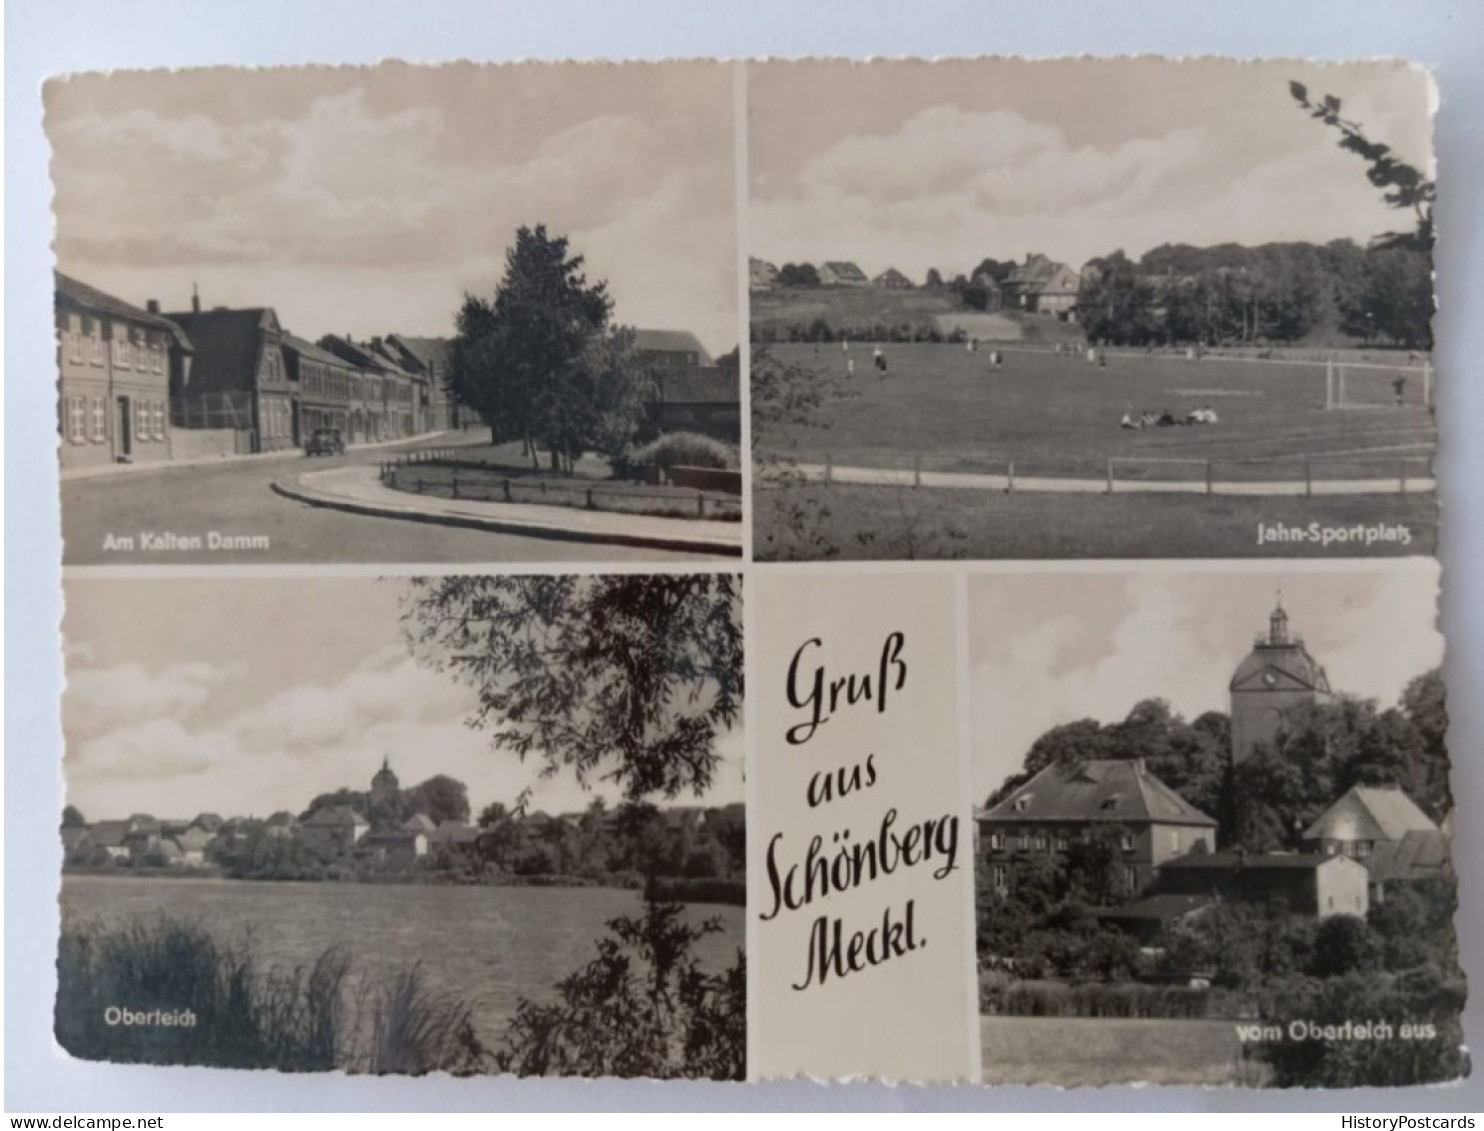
(1276, 676)
(430, 358)
(240, 381)
(1042, 286)
(116, 365)
(329, 391)
(1310, 885)
(839, 273)
(1066, 803)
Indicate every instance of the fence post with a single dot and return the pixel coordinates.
(917, 470)
(1208, 478)
(1308, 479)
(1110, 476)
(419, 482)
(506, 484)
(589, 498)
(700, 505)
(1010, 478)
(1402, 478)
(454, 481)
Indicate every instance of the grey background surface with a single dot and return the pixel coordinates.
(52, 36)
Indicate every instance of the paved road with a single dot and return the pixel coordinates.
(234, 501)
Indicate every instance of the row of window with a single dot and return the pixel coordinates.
(86, 419)
(321, 382)
(278, 418)
(130, 347)
(1058, 841)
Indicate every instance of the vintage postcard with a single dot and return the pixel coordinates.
(297, 319)
(481, 364)
(1116, 308)
(406, 825)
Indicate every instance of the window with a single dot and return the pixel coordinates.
(1174, 840)
(93, 331)
(997, 842)
(141, 420)
(157, 424)
(1126, 841)
(1000, 878)
(75, 420)
(1059, 842)
(1131, 879)
(161, 344)
(74, 338)
(100, 420)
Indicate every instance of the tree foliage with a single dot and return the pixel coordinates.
(540, 362)
(629, 679)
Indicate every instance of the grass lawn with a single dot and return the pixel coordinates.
(1070, 1052)
(1055, 414)
(876, 523)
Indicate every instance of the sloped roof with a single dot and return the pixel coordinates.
(227, 346)
(307, 349)
(208, 821)
(1370, 813)
(1251, 861)
(1291, 660)
(672, 341)
(1419, 853)
(195, 837)
(419, 823)
(110, 834)
(75, 835)
(892, 275)
(335, 816)
(843, 269)
(282, 819)
(428, 351)
(79, 294)
(1098, 789)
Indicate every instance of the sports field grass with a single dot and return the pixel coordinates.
(1071, 1052)
(801, 523)
(943, 408)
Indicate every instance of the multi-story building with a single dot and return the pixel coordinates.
(1065, 803)
(239, 380)
(330, 391)
(117, 364)
(1310, 885)
(1043, 286)
(393, 394)
(430, 357)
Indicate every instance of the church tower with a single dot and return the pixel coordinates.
(384, 786)
(1278, 674)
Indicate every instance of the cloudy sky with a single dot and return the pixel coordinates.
(368, 200)
(248, 696)
(917, 165)
(1053, 648)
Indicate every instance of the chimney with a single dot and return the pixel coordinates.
(153, 306)
(195, 300)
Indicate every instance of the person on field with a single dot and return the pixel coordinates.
(1128, 421)
(1399, 389)
(850, 367)
(973, 345)
(880, 359)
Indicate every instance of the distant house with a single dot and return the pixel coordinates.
(110, 837)
(335, 828)
(332, 392)
(893, 280)
(239, 381)
(1383, 828)
(431, 357)
(1150, 917)
(1067, 802)
(451, 836)
(839, 273)
(692, 393)
(1311, 885)
(160, 852)
(419, 823)
(193, 844)
(281, 824)
(210, 822)
(392, 394)
(393, 845)
(1042, 286)
(117, 366)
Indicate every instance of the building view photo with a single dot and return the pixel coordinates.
(1091, 308)
(374, 853)
(386, 314)
(1214, 825)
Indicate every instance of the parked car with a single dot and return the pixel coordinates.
(325, 442)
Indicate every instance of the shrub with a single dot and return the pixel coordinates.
(687, 449)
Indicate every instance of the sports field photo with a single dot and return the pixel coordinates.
(1157, 353)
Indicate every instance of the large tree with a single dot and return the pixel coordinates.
(629, 679)
(530, 359)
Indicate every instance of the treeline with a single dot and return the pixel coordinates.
(1277, 293)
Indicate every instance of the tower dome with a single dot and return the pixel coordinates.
(385, 782)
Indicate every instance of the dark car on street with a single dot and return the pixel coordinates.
(325, 442)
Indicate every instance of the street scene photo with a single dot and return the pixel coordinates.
(397, 314)
(1214, 829)
(1121, 308)
(464, 824)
